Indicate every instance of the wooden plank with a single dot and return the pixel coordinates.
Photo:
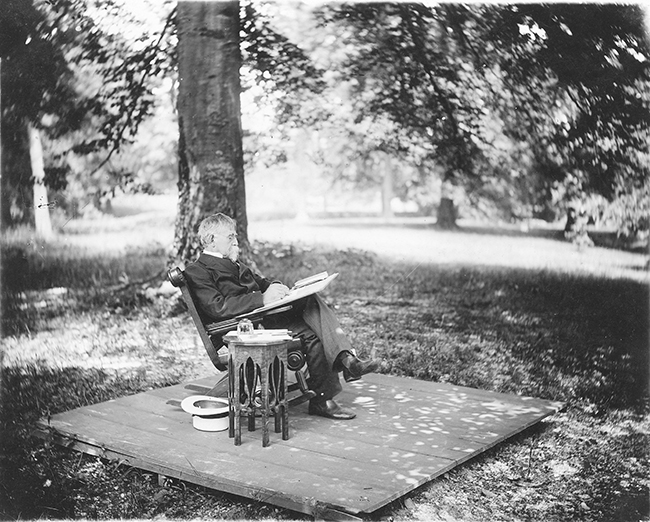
(369, 500)
(395, 401)
(148, 464)
(199, 456)
(403, 390)
(456, 408)
(442, 444)
(406, 433)
(134, 417)
(342, 457)
(401, 383)
(417, 420)
(306, 431)
(379, 432)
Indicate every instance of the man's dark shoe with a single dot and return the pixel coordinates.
(354, 368)
(330, 409)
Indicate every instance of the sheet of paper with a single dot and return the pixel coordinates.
(296, 294)
(259, 336)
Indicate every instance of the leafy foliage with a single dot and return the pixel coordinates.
(501, 97)
(281, 70)
(68, 72)
(514, 104)
(581, 76)
(405, 65)
(36, 79)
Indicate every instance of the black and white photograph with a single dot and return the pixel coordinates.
(324, 260)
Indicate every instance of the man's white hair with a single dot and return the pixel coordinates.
(213, 225)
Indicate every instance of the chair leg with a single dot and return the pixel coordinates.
(301, 384)
(221, 388)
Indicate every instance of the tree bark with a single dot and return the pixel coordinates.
(387, 186)
(211, 164)
(42, 221)
(447, 212)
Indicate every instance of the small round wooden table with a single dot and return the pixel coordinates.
(257, 380)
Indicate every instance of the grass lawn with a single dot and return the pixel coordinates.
(77, 333)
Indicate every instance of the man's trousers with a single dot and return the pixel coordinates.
(323, 340)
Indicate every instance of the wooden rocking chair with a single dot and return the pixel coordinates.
(212, 337)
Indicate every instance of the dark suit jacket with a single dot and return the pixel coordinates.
(224, 289)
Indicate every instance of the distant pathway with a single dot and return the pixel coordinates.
(416, 241)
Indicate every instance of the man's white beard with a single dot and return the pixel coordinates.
(233, 253)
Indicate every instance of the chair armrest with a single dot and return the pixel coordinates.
(176, 277)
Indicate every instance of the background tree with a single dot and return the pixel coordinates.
(502, 94)
(36, 89)
(108, 78)
(84, 86)
(581, 83)
(483, 99)
(405, 65)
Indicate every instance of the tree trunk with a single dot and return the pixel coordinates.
(42, 221)
(387, 186)
(211, 164)
(16, 190)
(447, 213)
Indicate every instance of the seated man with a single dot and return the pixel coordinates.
(224, 288)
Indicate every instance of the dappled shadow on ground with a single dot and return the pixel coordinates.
(562, 336)
(551, 335)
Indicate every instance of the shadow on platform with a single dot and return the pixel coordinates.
(407, 432)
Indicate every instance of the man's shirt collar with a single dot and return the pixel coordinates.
(215, 254)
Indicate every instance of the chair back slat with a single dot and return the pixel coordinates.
(177, 278)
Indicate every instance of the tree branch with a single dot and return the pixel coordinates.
(117, 142)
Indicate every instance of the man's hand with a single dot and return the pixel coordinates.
(274, 292)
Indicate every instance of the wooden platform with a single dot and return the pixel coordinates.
(407, 432)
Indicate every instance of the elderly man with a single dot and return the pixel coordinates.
(225, 288)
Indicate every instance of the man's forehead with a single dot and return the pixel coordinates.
(225, 228)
